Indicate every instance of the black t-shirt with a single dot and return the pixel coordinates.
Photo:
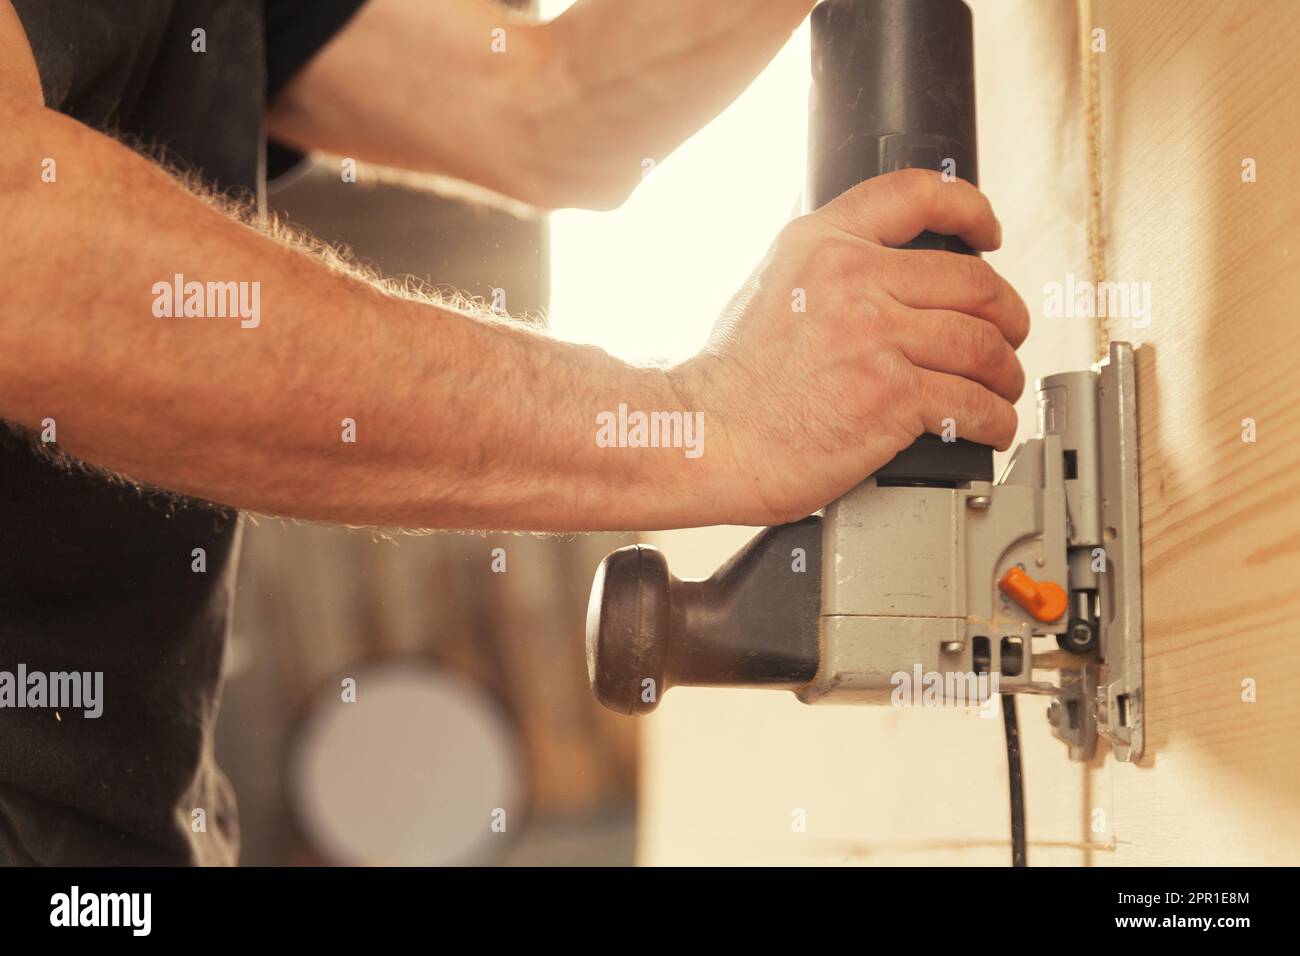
(96, 575)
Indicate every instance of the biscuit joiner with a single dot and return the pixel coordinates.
(929, 566)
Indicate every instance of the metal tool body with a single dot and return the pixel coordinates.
(896, 580)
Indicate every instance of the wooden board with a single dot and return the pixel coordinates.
(1187, 89)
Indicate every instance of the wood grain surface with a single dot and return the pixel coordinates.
(1189, 91)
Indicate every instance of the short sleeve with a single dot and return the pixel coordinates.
(93, 57)
(295, 31)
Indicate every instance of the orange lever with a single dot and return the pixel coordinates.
(1045, 600)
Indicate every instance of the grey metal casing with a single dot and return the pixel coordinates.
(910, 573)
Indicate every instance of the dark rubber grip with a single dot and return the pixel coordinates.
(753, 624)
(893, 87)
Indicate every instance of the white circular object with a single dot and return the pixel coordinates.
(422, 769)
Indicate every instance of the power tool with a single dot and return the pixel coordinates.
(929, 569)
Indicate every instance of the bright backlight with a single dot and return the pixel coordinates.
(648, 280)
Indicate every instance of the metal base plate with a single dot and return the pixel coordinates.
(1103, 699)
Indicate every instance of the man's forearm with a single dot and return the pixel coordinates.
(460, 422)
(640, 78)
(561, 114)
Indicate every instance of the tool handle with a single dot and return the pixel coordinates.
(753, 624)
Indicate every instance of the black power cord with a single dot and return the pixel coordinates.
(1014, 777)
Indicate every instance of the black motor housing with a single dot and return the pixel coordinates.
(893, 87)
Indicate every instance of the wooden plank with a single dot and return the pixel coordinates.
(1190, 89)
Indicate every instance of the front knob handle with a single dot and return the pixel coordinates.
(629, 629)
(753, 624)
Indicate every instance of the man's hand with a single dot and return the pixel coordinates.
(893, 342)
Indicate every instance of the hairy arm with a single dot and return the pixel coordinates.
(555, 114)
(467, 421)
(461, 421)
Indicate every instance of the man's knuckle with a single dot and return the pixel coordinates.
(1017, 374)
(1020, 322)
(884, 316)
(840, 262)
(901, 187)
(982, 407)
(1005, 427)
(796, 233)
(987, 344)
(920, 181)
(883, 372)
(980, 279)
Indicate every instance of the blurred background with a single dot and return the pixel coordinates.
(424, 699)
